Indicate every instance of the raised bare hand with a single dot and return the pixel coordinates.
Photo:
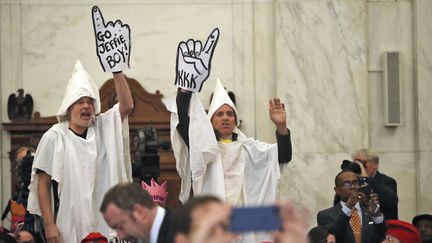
(278, 115)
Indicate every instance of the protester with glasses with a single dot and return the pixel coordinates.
(357, 218)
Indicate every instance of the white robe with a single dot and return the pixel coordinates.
(85, 169)
(243, 172)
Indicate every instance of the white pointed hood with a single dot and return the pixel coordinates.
(79, 85)
(220, 97)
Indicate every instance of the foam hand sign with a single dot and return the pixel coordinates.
(112, 42)
(194, 62)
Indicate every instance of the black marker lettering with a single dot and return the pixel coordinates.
(193, 83)
(211, 44)
(121, 51)
(101, 49)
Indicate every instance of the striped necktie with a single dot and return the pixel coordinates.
(356, 226)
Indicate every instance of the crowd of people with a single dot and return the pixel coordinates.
(81, 185)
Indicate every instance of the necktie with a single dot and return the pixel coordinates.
(356, 226)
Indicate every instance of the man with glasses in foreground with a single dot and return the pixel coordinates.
(357, 218)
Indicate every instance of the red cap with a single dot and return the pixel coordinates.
(95, 237)
(403, 231)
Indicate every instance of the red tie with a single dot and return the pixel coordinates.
(356, 226)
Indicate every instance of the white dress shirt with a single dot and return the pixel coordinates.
(154, 232)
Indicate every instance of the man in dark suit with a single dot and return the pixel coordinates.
(131, 212)
(353, 220)
(381, 184)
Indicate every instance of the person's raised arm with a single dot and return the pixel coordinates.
(278, 117)
(183, 101)
(123, 94)
(52, 233)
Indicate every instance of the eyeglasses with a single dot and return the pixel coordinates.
(389, 238)
(349, 184)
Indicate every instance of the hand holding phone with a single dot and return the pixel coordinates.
(365, 186)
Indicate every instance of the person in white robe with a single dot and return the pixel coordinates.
(86, 153)
(214, 157)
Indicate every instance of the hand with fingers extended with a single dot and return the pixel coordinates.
(194, 62)
(112, 42)
(278, 115)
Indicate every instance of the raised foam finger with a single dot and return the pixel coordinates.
(98, 20)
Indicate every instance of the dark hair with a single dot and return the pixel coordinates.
(125, 196)
(7, 238)
(182, 218)
(318, 234)
(336, 180)
(420, 217)
(350, 166)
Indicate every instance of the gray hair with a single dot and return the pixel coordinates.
(369, 155)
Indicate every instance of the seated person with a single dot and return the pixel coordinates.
(130, 210)
(320, 234)
(401, 232)
(423, 223)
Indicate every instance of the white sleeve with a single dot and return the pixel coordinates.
(115, 135)
(49, 157)
(191, 163)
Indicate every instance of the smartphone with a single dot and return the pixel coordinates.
(265, 218)
(365, 186)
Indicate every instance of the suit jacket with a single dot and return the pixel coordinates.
(335, 220)
(165, 231)
(386, 188)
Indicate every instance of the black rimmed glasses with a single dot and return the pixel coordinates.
(350, 184)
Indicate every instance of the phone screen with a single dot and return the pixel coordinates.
(246, 219)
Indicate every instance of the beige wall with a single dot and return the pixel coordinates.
(321, 57)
